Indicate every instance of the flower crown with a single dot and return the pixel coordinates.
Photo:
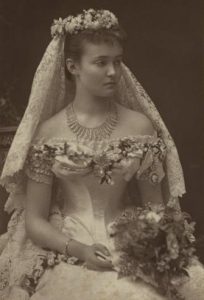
(89, 19)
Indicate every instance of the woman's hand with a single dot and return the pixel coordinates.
(69, 170)
(97, 257)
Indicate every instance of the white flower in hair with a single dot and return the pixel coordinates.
(95, 25)
(57, 27)
(89, 19)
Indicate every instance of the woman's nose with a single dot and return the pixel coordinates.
(111, 70)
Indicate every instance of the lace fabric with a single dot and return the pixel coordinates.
(138, 99)
(38, 169)
(19, 250)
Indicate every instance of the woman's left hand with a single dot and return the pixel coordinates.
(98, 257)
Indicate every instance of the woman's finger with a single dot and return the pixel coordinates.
(103, 263)
(98, 267)
(102, 248)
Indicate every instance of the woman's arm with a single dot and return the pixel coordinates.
(38, 227)
(150, 193)
(45, 235)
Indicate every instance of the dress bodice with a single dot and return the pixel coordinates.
(92, 201)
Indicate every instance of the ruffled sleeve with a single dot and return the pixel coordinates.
(151, 163)
(38, 166)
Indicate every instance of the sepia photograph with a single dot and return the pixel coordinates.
(101, 150)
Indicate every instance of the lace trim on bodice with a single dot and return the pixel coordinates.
(38, 168)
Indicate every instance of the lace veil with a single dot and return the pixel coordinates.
(50, 93)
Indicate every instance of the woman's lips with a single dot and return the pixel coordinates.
(110, 84)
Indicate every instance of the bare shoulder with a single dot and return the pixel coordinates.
(53, 127)
(135, 122)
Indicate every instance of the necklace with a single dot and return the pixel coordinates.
(98, 133)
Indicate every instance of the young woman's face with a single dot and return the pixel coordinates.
(99, 69)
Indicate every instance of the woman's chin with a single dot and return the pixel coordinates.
(109, 92)
(105, 93)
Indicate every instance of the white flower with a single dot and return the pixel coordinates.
(101, 172)
(114, 20)
(154, 178)
(153, 217)
(70, 27)
(87, 20)
(58, 27)
(90, 10)
(126, 162)
(95, 25)
(116, 259)
(110, 181)
(78, 19)
(51, 259)
(111, 229)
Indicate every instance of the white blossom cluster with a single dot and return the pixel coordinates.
(89, 19)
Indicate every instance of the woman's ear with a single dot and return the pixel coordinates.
(71, 66)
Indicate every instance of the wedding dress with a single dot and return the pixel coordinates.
(82, 210)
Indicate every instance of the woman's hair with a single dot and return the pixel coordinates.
(74, 43)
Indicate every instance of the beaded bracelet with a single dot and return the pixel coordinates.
(66, 249)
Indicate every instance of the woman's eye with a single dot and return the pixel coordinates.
(101, 63)
(118, 62)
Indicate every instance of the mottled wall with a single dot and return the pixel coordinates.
(164, 50)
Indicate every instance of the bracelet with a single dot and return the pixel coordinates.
(66, 249)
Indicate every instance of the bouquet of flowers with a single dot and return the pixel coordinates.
(155, 244)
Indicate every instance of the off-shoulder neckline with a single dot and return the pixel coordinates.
(146, 138)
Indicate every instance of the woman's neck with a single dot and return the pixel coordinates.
(90, 105)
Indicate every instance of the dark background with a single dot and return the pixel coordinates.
(164, 50)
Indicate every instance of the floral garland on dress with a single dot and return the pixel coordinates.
(123, 151)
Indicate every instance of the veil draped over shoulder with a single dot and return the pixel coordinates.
(51, 92)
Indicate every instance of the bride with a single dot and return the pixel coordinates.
(84, 97)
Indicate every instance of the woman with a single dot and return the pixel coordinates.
(59, 205)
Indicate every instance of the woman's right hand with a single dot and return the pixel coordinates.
(70, 170)
(97, 257)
